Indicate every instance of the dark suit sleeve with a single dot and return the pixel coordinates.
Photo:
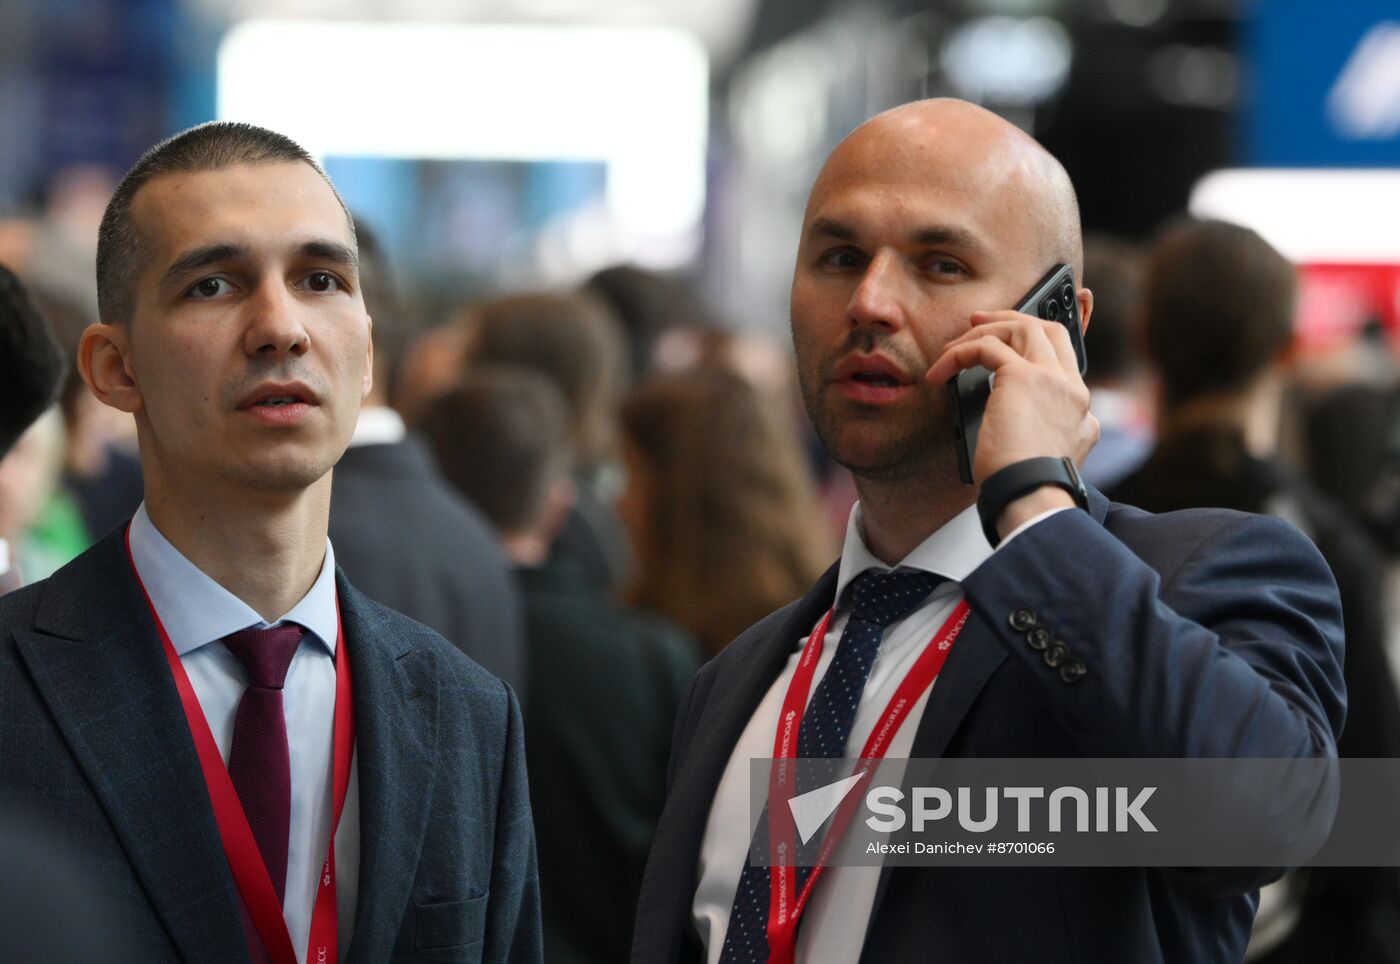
(513, 926)
(1233, 651)
(1236, 651)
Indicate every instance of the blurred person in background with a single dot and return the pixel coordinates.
(401, 533)
(82, 478)
(659, 314)
(431, 365)
(1352, 445)
(184, 687)
(721, 511)
(46, 884)
(1113, 270)
(37, 518)
(31, 371)
(101, 471)
(1218, 310)
(606, 681)
(576, 343)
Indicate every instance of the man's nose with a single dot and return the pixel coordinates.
(878, 299)
(275, 326)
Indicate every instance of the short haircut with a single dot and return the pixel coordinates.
(573, 341)
(208, 147)
(1217, 310)
(31, 367)
(502, 439)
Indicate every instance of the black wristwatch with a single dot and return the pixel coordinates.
(1006, 485)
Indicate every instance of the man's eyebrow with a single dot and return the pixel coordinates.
(332, 251)
(933, 234)
(200, 258)
(949, 234)
(833, 229)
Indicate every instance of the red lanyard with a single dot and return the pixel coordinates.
(785, 905)
(241, 850)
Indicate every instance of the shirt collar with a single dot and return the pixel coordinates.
(196, 610)
(952, 551)
(378, 425)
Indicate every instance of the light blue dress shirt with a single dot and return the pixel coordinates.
(197, 614)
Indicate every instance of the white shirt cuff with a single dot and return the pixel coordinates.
(1030, 522)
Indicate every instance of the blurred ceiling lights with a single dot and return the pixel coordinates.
(1311, 216)
(721, 26)
(1008, 61)
(634, 99)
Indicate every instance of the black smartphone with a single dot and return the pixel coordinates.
(1053, 298)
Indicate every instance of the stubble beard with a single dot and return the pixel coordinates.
(915, 449)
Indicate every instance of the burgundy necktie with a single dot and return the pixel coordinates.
(259, 761)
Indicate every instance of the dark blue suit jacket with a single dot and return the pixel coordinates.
(1206, 633)
(93, 735)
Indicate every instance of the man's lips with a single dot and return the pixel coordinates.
(278, 395)
(872, 379)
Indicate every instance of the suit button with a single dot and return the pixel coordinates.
(1073, 671)
(1022, 619)
(1038, 638)
(1056, 654)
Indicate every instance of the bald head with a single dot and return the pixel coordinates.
(968, 151)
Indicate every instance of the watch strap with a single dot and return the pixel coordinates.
(1008, 484)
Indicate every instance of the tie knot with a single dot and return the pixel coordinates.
(886, 597)
(266, 653)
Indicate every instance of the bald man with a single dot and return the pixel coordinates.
(1095, 630)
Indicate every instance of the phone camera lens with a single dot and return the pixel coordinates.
(1067, 296)
(1051, 310)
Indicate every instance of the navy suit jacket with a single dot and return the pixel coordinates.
(1205, 633)
(93, 735)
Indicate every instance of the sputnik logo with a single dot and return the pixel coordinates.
(811, 809)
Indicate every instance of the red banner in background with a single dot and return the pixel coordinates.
(1335, 301)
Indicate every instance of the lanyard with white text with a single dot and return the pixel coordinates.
(785, 905)
(240, 848)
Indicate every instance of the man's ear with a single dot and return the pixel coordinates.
(102, 361)
(1086, 308)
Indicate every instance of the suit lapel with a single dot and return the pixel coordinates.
(97, 663)
(975, 657)
(396, 706)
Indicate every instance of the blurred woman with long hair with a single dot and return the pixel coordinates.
(719, 505)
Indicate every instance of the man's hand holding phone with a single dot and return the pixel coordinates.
(1038, 405)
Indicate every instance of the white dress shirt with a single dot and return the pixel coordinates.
(834, 923)
(378, 425)
(197, 614)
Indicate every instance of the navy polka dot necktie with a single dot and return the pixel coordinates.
(878, 600)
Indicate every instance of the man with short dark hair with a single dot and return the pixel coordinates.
(31, 370)
(578, 345)
(264, 762)
(607, 679)
(1091, 630)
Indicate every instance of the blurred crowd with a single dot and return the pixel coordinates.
(606, 484)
